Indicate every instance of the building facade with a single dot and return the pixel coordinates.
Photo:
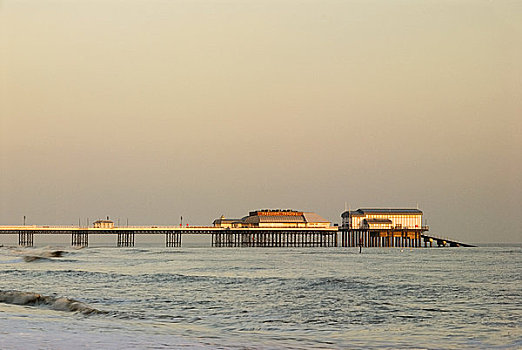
(382, 227)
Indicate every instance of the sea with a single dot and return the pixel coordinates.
(199, 297)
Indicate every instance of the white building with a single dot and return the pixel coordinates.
(103, 224)
(383, 219)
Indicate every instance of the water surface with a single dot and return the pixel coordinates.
(264, 298)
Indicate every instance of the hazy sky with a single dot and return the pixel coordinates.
(150, 110)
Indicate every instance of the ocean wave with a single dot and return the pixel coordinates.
(31, 255)
(39, 253)
(69, 273)
(54, 303)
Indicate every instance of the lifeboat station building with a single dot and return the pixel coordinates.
(275, 218)
(382, 227)
(382, 218)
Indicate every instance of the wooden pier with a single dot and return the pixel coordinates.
(244, 237)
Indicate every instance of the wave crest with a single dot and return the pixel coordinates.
(35, 299)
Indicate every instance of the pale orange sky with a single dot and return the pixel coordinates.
(155, 109)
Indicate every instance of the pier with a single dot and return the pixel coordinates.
(364, 228)
(244, 237)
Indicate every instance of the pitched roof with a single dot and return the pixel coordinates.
(313, 217)
(273, 218)
(225, 221)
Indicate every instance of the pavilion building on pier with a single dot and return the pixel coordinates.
(382, 218)
(275, 218)
(377, 227)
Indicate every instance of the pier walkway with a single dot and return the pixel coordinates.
(443, 242)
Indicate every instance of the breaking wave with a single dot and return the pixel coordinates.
(39, 254)
(35, 299)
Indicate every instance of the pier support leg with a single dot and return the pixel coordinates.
(80, 239)
(25, 239)
(125, 239)
(173, 239)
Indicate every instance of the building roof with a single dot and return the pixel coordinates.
(225, 221)
(273, 219)
(351, 213)
(389, 211)
(275, 212)
(313, 217)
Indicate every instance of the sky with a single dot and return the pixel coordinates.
(153, 110)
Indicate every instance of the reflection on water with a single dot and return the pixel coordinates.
(268, 298)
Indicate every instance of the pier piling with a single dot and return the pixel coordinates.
(25, 239)
(80, 239)
(125, 239)
(173, 239)
(269, 238)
